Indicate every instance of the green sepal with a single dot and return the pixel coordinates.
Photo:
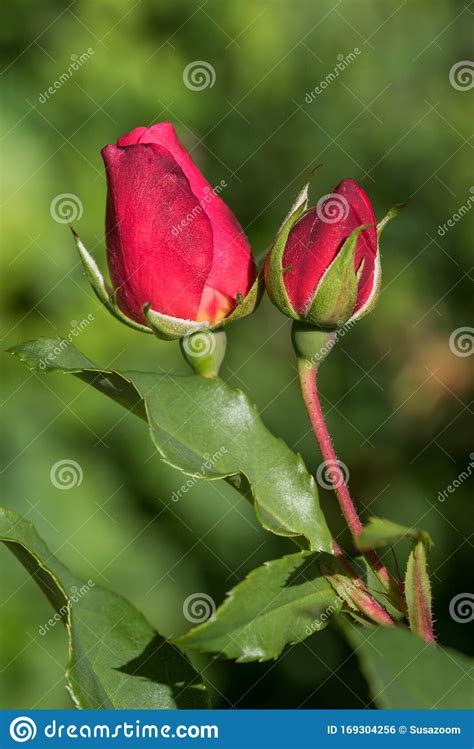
(336, 294)
(418, 592)
(247, 304)
(394, 211)
(170, 328)
(371, 301)
(103, 292)
(374, 294)
(275, 271)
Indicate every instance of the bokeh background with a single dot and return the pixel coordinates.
(397, 390)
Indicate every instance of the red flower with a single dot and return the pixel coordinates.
(324, 267)
(172, 242)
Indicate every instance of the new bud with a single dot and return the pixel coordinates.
(324, 267)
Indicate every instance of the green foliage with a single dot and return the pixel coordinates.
(405, 673)
(282, 602)
(116, 658)
(207, 430)
(371, 123)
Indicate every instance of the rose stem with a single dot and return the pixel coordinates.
(309, 389)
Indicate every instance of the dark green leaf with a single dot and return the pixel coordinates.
(116, 658)
(404, 672)
(208, 430)
(282, 602)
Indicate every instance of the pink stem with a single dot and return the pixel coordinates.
(335, 473)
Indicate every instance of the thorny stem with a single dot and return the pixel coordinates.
(308, 379)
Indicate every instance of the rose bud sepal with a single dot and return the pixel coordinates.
(370, 302)
(335, 297)
(102, 290)
(274, 270)
(247, 304)
(170, 328)
(394, 211)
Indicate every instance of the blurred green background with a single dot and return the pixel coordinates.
(396, 394)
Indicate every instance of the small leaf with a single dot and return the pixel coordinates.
(405, 673)
(116, 658)
(381, 532)
(418, 593)
(282, 602)
(207, 430)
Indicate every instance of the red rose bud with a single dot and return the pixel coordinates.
(324, 268)
(178, 258)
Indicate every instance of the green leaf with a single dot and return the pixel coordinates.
(418, 593)
(381, 532)
(207, 430)
(282, 602)
(116, 658)
(404, 672)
